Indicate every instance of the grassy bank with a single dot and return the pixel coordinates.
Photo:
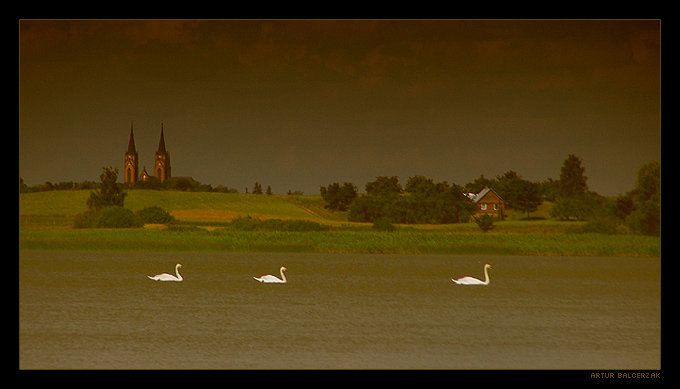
(402, 242)
(45, 221)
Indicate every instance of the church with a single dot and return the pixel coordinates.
(161, 168)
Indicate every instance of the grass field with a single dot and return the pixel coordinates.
(46, 219)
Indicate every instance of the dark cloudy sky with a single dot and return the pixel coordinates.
(300, 104)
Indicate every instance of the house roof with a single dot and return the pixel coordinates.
(480, 195)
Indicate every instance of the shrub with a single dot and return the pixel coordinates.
(87, 219)
(118, 217)
(249, 223)
(108, 217)
(601, 225)
(155, 215)
(485, 222)
(383, 224)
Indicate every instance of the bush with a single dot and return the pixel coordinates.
(108, 217)
(249, 223)
(118, 217)
(87, 219)
(155, 215)
(485, 222)
(580, 207)
(601, 225)
(383, 224)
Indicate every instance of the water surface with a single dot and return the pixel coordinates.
(99, 310)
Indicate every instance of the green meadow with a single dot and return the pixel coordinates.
(203, 224)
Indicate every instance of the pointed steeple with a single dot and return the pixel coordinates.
(131, 160)
(131, 144)
(162, 169)
(161, 144)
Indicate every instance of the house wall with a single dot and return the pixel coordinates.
(486, 205)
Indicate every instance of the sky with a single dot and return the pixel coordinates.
(299, 104)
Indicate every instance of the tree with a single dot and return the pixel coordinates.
(580, 207)
(548, 189)
(338, 198)
(525, 196)
(269, 190)
(425, 202)
(478, 184)
(384, 186)
(573, 199)
(646, 215)
(420, 186)
(257, 188)
(109, 192)
(572, 180)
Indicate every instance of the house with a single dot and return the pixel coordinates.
(488, 202)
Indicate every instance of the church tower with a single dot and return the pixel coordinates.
(162, 165)
(131, 169)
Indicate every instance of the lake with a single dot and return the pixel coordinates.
(98, 310)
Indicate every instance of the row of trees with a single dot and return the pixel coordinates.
(257, 189)
(184, 184)
(422, 200)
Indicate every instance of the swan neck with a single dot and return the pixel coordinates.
(486, 275)
(283, 275)
(177, 272)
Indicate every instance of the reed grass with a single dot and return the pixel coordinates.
(339, 241)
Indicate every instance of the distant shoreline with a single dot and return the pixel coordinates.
(351, 242)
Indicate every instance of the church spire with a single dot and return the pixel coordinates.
(161, 144)
(131, 144)
(162, 169)
(131, 160)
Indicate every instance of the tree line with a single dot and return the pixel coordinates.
(422, 200)
(184, 184)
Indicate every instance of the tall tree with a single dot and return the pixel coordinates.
(527, 198)
(573, 199)
(109, 192)
(572, 178)
(646, 216)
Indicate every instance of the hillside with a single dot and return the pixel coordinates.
(46, 223)
(57, 208)
(188, 206)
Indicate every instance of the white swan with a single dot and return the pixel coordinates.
(168, 277)
(270, 279)
(474, 281)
